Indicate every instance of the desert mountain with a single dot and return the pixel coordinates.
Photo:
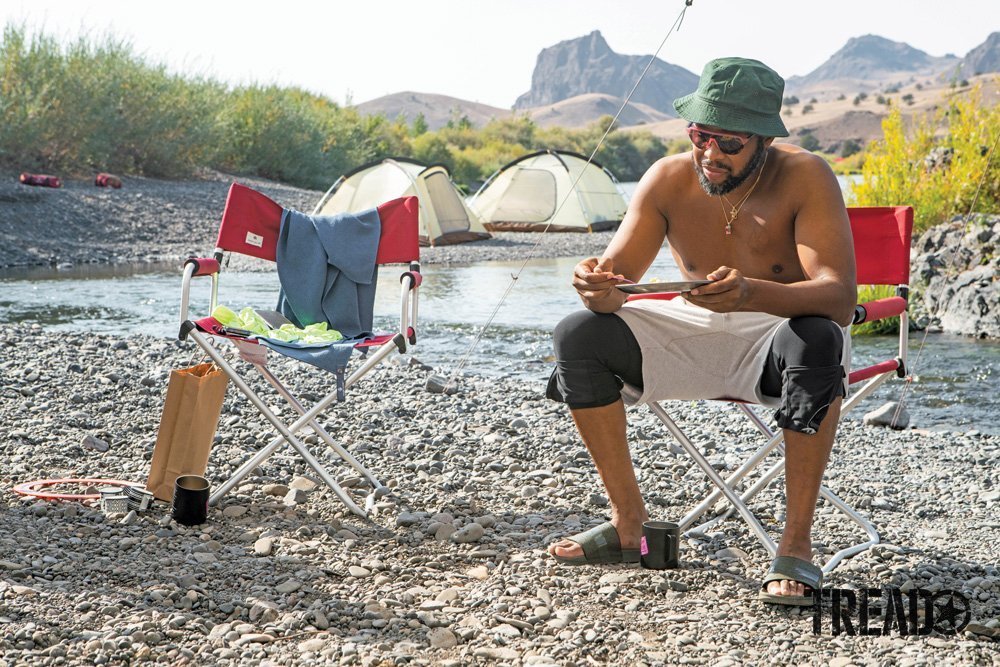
(577, 81)
(588, 65)
(437, 109)
(983, 59)
(584, 110)
(868, 63)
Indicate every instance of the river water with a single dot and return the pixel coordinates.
(957, 379)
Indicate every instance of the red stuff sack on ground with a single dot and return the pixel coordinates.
(103, 180)
(41, 180)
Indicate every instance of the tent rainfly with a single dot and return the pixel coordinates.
(554, 191)
(444, 217)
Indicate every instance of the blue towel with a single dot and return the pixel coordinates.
(328, 356)
(326, 266)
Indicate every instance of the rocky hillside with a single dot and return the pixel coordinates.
(982, 59)
(584, 110)
(437, 109)
(588, 65)
(577, 81)
(956, 265)
(868, 63)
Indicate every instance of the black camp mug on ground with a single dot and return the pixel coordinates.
(190, 500)
(660, 545)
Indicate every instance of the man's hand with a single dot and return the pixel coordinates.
(728, 293)
(594, 279)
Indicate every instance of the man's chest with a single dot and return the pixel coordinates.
(759, 240)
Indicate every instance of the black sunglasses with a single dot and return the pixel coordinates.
(730, 144)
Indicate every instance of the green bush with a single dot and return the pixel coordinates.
(896, 170)
(87, 106)
(809, 142)
(884, 327)
(95, 105)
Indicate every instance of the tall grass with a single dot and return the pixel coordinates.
(897, 172)
(94, 104)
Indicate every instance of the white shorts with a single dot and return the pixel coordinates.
(689, 352)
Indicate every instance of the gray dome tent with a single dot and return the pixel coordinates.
(444, 217)
(556, 191)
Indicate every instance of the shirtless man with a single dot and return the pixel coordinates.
(767, 224)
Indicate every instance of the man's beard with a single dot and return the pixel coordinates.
(735, 180)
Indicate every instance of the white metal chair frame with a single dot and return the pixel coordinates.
(874, 376)
(255, 354)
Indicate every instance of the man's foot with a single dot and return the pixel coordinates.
(791, 580)
(787, 586)
(629, 534)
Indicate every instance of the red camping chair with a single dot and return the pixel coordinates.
(250, 226)
(882, 253)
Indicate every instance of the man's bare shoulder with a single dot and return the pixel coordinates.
(798, 157)
(795, 161)
(670, 165)
(666, 174)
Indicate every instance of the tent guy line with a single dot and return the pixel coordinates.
(446, 385)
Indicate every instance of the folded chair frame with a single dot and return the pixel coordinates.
(307, 423)
(872, 376)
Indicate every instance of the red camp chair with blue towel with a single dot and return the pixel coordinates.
(251, 224)
(882, 252)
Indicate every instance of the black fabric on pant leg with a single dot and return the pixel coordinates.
(807, 395)
(595, 353)
(804, 370)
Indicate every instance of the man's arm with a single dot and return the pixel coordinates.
(632, 249)
(826, 253)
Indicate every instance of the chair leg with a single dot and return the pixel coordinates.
(776, 441)
(824, 491)
(730, 495)
(286, 434)
(319, 430)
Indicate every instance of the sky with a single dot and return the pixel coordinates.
(484, 51)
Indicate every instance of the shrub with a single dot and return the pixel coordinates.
(809, 142)
(895, 171)
(809, 108)
(884, 327)
(86, 106)
(849, 148)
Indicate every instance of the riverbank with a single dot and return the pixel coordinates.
(151, 220)
(274, 579)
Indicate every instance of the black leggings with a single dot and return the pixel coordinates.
(596, 353)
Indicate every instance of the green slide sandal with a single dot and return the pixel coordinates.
(601, 545)
(789, 568)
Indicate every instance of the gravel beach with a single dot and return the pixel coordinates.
(451, 569)
(151, 220)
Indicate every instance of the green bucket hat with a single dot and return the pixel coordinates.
(736, 94)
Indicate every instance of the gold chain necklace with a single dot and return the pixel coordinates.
(734, 211)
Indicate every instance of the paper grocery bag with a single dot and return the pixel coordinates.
(190, 417)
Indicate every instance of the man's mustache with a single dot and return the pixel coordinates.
(715, 165)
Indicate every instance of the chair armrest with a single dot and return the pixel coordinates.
(198, 266)
(203, 266)
(409, 298)
(879, 309)
(415, 275)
